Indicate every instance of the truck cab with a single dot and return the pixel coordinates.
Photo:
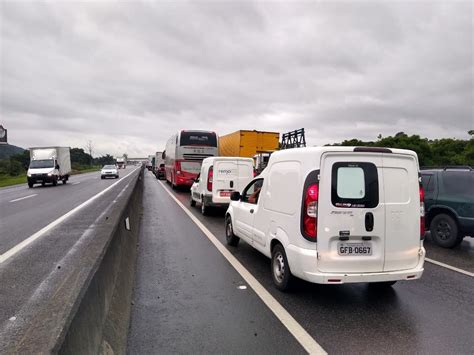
(49, 165)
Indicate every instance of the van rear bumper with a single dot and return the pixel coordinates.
(303, 264)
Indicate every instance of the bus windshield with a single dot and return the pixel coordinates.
(208, 139)
(40, 164)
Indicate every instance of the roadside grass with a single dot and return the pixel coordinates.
(7, 180)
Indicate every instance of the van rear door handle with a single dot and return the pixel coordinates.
(231, 184)
(369, 222)
(251, 211)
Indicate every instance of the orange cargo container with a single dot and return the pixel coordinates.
(248, 143)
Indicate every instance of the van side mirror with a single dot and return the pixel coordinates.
(57, 166)
(235, 196)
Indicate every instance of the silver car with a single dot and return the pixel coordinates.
(109, 171)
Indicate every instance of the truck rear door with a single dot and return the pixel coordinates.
(402, 208)
(351, 213)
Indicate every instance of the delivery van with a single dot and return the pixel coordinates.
(334, 215)
(219, 177)
(49, 165)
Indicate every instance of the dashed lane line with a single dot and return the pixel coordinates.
(20, 246)
(23, 198)
(461, 271)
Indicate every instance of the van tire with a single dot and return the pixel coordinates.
(30, 185)
(192, 203)
(55, 182)
(230, 237)
(281, 273)
(444, 231)
(64, 181)
(204, 207)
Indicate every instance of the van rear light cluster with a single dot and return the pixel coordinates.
(177, 167)
(310, 211)
(422, 213)
(210, 175)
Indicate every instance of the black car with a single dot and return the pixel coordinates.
(449, 204)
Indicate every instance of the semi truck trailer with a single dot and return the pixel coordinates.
(49, 165)
(248, 143)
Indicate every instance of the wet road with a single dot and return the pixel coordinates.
(432, 315)
(22, 274)
(25, 211)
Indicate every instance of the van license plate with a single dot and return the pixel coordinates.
(224, 193)
(348, 249)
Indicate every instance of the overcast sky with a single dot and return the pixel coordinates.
(128, 74)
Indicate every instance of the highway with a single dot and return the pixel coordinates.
(187, 296)
(39, 227)
(194, 293)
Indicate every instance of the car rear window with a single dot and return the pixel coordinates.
(354, 185)
(458, 182)
(428, 182)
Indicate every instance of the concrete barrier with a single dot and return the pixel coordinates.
(89, 310)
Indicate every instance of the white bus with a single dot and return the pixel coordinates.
(184, 154)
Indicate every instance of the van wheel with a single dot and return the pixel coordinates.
(64, 182)
(281, 273)
(191, 201)
(30, 185)
(230, 237)
(204, 207)
(444, 231)
(55, 182)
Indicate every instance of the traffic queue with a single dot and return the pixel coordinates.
(327, 215)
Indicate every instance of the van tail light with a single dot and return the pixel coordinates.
(210, 175)
(422, 213)
(310, 211)
(177, 167)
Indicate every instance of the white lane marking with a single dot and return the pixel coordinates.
(75, 183)
(300, 334)
(23, 198)
(450, 267)
(20, 246)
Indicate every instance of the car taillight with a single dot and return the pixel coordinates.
(210, 175)
(310, 211)
(422, 213)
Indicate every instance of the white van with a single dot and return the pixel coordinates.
(219, 177)
(334, 215)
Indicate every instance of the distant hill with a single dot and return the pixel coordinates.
(7, 150)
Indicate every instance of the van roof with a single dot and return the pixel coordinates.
(318, 151)
(211, 160)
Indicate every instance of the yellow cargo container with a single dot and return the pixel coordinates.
(248, 143)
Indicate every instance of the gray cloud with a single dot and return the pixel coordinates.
(128, 74)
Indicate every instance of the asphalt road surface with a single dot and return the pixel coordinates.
(25, 212)
(187, 300)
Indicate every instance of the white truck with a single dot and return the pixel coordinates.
(49, 165)
(121, 162)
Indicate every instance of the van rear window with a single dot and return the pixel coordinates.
(354, 185)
